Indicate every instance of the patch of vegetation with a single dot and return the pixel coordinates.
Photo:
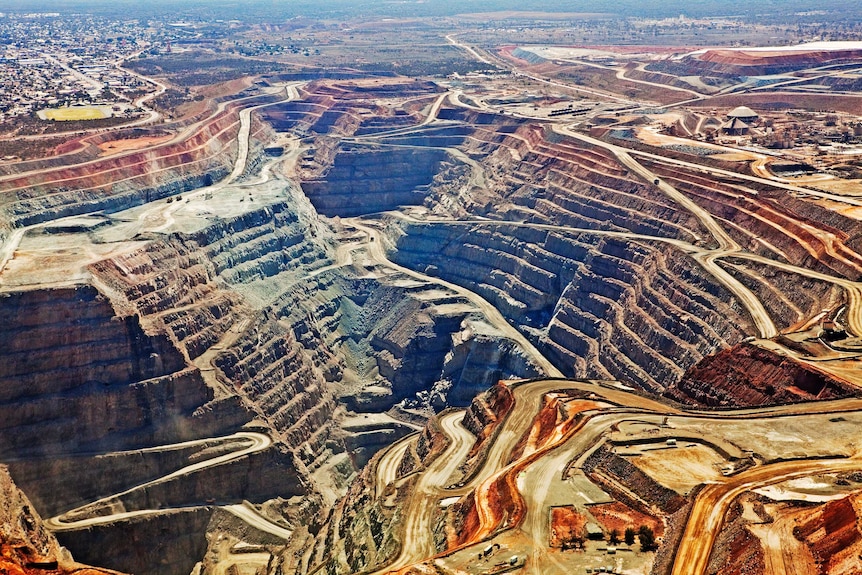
(426, 68)
(647, 538)
(202, 68)
(27, 126)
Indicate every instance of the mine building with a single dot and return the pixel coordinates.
(735, 127)
(594, 532)
(739, 121)
(743, 113)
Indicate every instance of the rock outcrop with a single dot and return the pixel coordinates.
(833, 534)
(26, 546)
(746, 375)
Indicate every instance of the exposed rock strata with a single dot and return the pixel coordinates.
(76, 377)
(368, 181)
(26, 546)
(170, 542)
(833, 534)
(746, 375)
(123, 181)
(363, 528)
(579, 294)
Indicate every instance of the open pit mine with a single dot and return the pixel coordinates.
(392, 325)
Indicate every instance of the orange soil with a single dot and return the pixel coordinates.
(20, 559)
(551, 416)
(566, 525)
(620, 516)
(498, 502)
(69, 146)
(497, 408)
(116, 146)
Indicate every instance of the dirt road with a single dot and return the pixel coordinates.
(417, 540)
(713, 503)
(67, 522)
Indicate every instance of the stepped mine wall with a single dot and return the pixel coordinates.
(580, 292)
(366, 181)
(746, 375)
(75, 376)
(123, 181)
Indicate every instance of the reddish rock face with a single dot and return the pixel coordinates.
(26, 546)
(830, 530)
(745, 375)
(762, 62)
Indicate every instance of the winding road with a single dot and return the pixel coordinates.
(71, 521)
(714, 501)
(417, 541)
(727, 246)
(162, 213)
(165, 212)
(435, 483)
(539, 474)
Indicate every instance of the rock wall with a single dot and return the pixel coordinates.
(797, 230)
(833, 535)
(577, 294)
(170, 542)
(362, 181)
(746, 375)
(483, 419)
(77, 377)
(26, 546)
(364, 528)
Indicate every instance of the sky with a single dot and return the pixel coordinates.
(353, 8)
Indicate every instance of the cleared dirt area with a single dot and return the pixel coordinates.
(681, 468)
(567, 526)
(783, 553)
(820, 435)
(839, 186)
(117, 146)
(816, 488)
(620, 516)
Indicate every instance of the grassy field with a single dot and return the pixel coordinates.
(75, 113)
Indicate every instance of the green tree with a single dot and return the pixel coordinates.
(629, 536)
(647, 538)
(614, 537)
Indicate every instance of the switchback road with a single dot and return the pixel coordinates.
(69, 521)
